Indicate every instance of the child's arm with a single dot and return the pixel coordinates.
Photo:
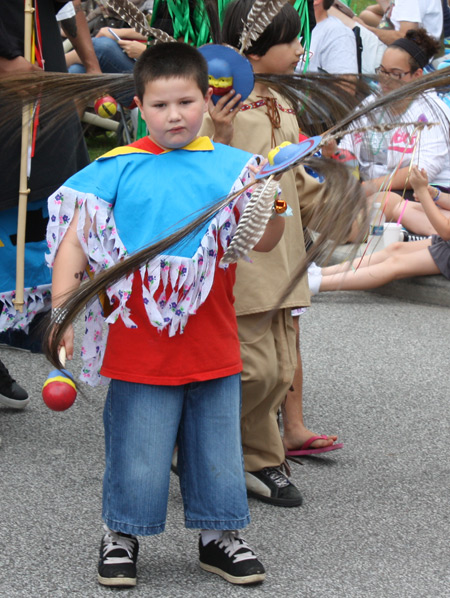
(272, 234)
(440, 198)
(400, 180)
(70, 263)
(419, 182)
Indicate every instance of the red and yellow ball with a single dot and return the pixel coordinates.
(59, 391)
(106, 106)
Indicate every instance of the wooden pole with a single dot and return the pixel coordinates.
(23, 180)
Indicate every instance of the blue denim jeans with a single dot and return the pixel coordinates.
(143, 423)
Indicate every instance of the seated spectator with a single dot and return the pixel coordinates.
(411, 14)
(333, 45)
(114, 55)
(397, 261)
(404, 15)
(384, 158)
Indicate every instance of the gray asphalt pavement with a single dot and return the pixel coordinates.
(375, 520)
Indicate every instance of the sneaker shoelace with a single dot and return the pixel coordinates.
(232, 543)
(114, 541)
(277, 476)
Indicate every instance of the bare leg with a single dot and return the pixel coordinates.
(413, 218)
(401, 262)
(376, 258)
(295, 431)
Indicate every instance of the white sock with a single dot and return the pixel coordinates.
(208, 535)
(314, 278)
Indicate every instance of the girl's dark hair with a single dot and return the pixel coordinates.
(174, 59)
(328, 4)
(419, 46)
(284, 28)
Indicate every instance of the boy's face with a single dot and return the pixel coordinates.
(173, 110)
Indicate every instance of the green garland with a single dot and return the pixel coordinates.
(301, 6)
(190, 20)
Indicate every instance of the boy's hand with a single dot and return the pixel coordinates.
(67, 342)
(223, 114)
(256, 169)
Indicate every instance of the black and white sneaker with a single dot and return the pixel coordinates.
(11, 394)
(272, 486)
(231, 558)
(118, 556)
(411, 237)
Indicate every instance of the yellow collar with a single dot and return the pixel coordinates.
(198, 144)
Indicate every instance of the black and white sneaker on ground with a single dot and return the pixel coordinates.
(231, 558)
(272, 486)
(11, 394)
(118, 556)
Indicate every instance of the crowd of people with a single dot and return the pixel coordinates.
(202, 358)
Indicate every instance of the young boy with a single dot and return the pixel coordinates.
(172, 351)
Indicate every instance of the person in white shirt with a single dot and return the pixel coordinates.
(404, 15)
(385, 157)
(333, 45)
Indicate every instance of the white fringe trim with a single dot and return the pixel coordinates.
(191, 278)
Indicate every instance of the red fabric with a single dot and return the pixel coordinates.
(208, 348)
(145, 143)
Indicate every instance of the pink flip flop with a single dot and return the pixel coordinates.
(304, 450)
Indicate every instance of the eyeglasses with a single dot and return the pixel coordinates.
(397, 75)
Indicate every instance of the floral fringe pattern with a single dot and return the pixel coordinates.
(190, 279)
(36, 299)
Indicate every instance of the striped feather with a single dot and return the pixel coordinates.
(137, 20)
(252, 223)
(259, 18)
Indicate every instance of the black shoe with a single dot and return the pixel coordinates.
(272, 486)
(118, 556)
(231, 558)
(11, 394)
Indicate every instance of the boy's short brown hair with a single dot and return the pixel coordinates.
(172, 59)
